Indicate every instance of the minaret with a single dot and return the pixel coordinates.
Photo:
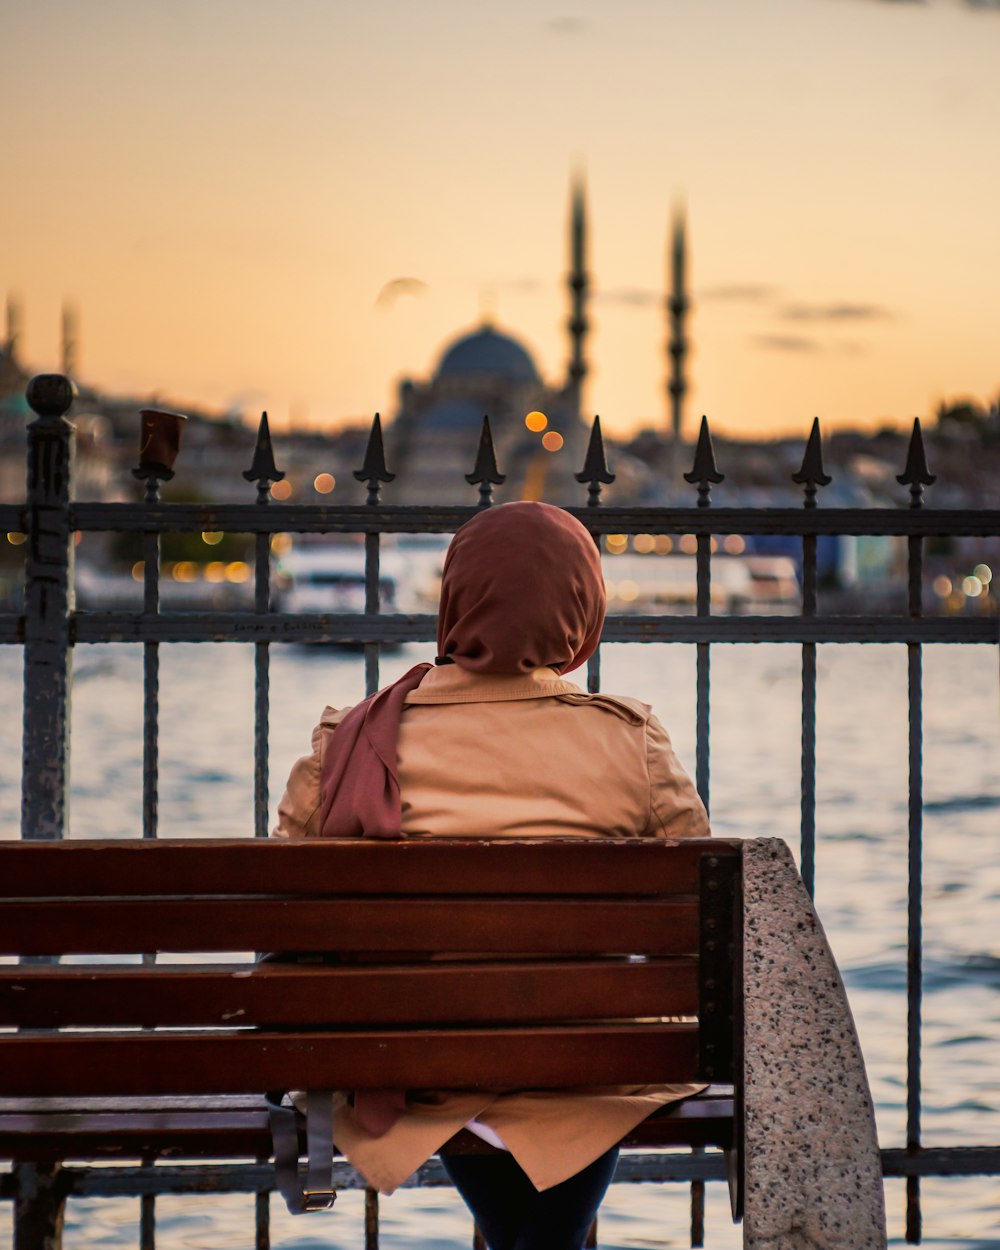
(69, 340)
(577, 323)
(677, 309)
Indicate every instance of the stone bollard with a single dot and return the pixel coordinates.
(813, 1171)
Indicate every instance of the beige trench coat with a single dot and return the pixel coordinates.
(526, 756)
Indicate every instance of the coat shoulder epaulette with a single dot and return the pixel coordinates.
(632, 710)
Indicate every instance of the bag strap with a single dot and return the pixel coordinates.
(318, 1193)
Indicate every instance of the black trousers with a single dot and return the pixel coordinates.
(513, 1215)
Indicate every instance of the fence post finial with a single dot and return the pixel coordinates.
(262, 469)
(373, 471)
(485, 473)
(595, 471)
(50, 395)
(811, 474)
(704, 471)
(916, 475)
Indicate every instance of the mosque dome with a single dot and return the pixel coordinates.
(488, 353)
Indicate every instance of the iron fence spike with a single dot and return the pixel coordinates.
(374, 469)
(595, 472)
(262, 469)
(811, 474)
(704, 471)
(485, 473)
(916, 475)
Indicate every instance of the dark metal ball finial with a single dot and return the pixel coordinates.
(50, 394)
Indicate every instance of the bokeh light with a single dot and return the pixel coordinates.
(215, 571)
(734, 544)
(688, 544)
(323, 483)
(984, 573)
(643, 544)
(552, 441)
(942, 586)
(536, 422)
(15, 538)
(281, 490)
(212, 537)
(616, 543)
(955, 600)
(972, 586)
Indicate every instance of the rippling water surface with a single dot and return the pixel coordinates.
(206, 790)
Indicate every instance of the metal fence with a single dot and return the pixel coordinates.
(49, 628)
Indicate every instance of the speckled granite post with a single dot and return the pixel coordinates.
(813, 1177)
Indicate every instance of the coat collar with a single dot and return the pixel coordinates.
(451, 684)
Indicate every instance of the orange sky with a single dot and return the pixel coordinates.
(223, 187)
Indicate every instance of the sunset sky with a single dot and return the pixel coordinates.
(223, 188)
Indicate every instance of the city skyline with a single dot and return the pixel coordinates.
(293, 208)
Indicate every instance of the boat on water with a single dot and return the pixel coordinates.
(329, 579)
(668, 584)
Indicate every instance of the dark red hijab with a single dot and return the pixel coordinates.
(522, 588)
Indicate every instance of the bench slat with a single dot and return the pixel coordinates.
(166, 1063)
(81, 868)
(205, 1131)
(126, 926)
(270, 994)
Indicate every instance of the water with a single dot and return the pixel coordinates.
(206, 790)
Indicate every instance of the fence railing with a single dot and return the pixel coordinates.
(50, 627)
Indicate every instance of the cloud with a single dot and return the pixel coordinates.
(393, 289)
(630, 296)
(980, 6)
(733, 293)
(785, 343)
(739, 292)
(836, 312)
(566, 24)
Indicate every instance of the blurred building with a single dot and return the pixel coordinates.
(538, 433)
(436, 432)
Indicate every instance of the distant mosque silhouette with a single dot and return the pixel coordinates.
(435, 432)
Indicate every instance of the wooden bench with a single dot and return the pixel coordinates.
(584, 947)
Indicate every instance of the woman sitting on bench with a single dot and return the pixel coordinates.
(491, 742)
